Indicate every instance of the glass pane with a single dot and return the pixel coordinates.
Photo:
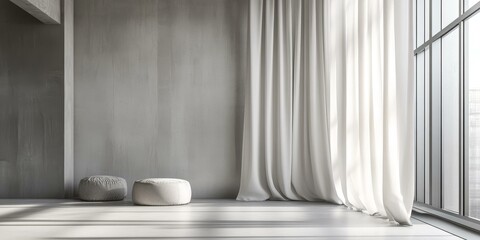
(450, 121)
(436, 13)
(420, 22)
(427, 20)
(427, 126)
(420, 126)
(436, 126)
(450, 11)
(472, 76)
(470, 3)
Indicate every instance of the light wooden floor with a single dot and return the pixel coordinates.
(202, 219)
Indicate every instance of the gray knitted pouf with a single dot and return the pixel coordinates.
(102, 188)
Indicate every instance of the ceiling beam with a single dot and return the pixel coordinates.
(47, 11)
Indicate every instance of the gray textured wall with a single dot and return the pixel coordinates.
(68, 98)
(31, 105)
(159, 90)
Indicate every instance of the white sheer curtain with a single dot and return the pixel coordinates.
(329, 104)
(369, 71)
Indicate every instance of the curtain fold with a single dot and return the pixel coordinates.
(329, 104)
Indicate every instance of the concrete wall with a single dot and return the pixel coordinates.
(159, 90)
(31, 105)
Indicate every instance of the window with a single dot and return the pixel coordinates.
(447, 75)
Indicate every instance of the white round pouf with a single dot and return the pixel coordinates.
(102, 188)
(161, 191)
